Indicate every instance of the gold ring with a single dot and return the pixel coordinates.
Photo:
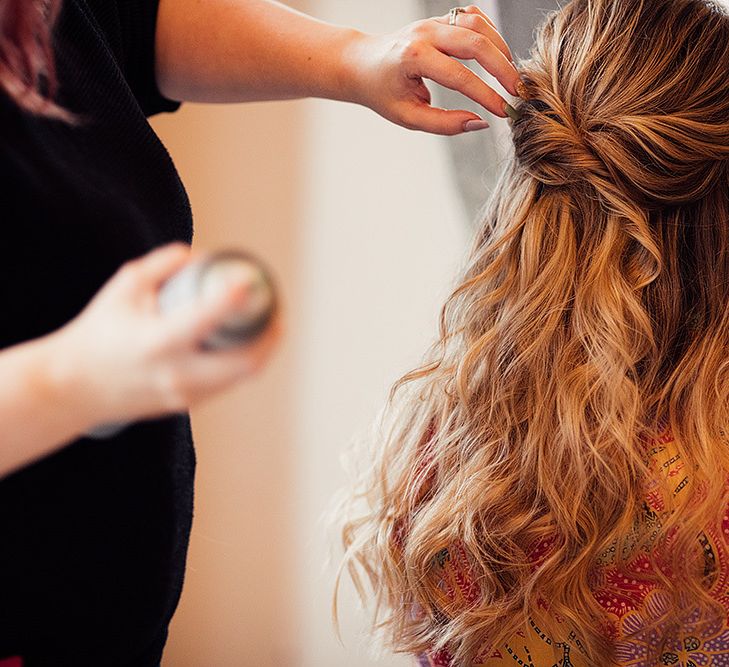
(453, 15)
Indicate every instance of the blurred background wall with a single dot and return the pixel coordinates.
(363, 226)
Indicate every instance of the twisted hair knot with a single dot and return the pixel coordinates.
(651, 155)
(554, 148)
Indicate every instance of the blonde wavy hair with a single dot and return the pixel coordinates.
(592, 310)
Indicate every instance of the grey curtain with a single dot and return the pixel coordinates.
(477, 158)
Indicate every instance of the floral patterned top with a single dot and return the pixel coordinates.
(626, 597)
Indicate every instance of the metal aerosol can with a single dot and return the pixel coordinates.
(201, 280)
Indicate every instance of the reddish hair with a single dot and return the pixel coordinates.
(27, 69)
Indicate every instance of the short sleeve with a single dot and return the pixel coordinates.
(138, 24)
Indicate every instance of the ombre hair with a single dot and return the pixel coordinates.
(592, 311)
(27, 69)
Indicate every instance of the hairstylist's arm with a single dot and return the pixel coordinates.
(120, 359)
(244, 50)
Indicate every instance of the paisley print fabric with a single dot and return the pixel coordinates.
(627, 596)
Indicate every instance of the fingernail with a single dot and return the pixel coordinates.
(521, 90)
(511, 111)
(474, 125)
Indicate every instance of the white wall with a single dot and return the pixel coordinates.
(384, 231)
(362, 225)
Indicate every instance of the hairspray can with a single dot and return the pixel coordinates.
(202, 280)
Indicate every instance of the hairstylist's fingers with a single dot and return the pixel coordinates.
(473, 9)
(197, 374)
(138, 278)
(228, 365)
(441, 121)
(474, 19)
(471, 45)
(153, 268)
(190, 324)
(479, 22)
(456, 76)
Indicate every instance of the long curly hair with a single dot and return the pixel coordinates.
(591, 312)
(27, 66)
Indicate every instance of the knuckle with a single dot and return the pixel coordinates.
(478, 41)
(468, 21)
(461, 76)
(411, 49)
(421, 28)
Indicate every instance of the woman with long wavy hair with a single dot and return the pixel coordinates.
(550, 486)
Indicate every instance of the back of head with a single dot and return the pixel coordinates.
(624, 140)
(593, 310)
(630, 98)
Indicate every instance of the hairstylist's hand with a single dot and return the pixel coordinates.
(388, 71)
(131, 362)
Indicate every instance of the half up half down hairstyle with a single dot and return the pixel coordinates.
(591, 314)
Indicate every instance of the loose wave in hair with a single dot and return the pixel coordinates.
(592, 311)
(27, 69)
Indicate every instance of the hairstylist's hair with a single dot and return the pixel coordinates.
(27, 70)
(592, 309)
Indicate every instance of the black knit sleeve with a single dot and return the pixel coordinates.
(138, 22)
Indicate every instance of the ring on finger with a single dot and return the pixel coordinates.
(453, 15)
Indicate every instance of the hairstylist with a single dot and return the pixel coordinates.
(95, 218)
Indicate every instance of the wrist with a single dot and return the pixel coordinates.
(348, 81)
(56, 377)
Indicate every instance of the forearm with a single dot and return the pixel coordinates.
(247, 50)
(38, 413)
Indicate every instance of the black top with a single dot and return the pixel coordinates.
(92, 539)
